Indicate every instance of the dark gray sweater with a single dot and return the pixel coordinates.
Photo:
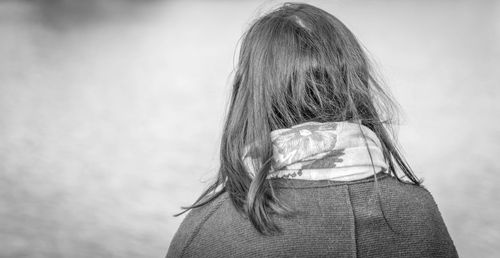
(335, 219)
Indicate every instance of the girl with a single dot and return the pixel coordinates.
(308, 167)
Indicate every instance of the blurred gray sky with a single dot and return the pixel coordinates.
(111, 112)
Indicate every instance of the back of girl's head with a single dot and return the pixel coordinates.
(300, 63)
(296, 64)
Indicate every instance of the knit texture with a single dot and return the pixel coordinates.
(331, 219)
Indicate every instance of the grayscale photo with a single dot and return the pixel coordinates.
(249, 128)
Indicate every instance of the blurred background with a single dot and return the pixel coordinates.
(111, 114)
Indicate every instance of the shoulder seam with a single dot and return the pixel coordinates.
(198, 228)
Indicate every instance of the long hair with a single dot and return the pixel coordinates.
(296, 64)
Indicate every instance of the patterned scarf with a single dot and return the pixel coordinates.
(324, 151)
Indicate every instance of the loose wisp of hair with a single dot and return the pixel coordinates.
(298, 63)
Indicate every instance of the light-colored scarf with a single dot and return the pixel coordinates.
(324, 151)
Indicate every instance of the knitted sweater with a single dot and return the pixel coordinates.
(334, 219)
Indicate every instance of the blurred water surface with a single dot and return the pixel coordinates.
(111, 113)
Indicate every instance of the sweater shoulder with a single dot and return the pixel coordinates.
(405, 213)
(192, 224)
